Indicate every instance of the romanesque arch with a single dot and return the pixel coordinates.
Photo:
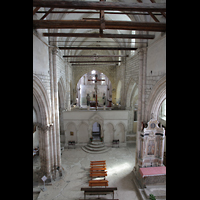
(156, 97)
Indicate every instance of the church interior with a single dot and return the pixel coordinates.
(99, 99)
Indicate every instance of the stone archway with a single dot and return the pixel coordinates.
(42, 106)
(99, 120)
(156, 97)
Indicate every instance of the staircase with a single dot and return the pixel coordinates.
(95, 147)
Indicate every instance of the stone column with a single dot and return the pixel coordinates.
(161, 149)
(44, 151)
(41, 150)
(139, 111)
(51, 150)
(52, 129)
(56, 109)
(123, 95)
(47, 152)
(144, 82)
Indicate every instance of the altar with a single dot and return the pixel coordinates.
(93, 103)
(150, 169)
(152, 175)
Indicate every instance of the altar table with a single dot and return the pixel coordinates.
(152, 171)
(152, 175)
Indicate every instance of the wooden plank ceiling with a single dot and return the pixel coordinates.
(48, 8)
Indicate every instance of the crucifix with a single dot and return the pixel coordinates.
(95, 88)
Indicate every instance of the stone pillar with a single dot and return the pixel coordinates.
(52, 128)
(51, 150)
(140, 87)
(47, 152)
(144, 82)
(123, 95)
(41, 150)
(56, 109)
(161, 149)
(139, 111)
(44, 151)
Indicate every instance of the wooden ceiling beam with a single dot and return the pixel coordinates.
(96, 35)
(103, 5)
(93, 56)
(96, 48)
(94, 12)
(35, 10)
(82, 24)
(164, 15)
(45, 15)
(95, 61)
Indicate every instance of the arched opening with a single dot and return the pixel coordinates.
(162, 120)
(86, 86)
(96, 132)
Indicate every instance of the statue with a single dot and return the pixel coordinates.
(88, 99)
(104, 99)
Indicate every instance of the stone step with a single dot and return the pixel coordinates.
(95, 148)
(94, 152)
(97, 143)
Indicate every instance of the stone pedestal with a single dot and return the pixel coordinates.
(104, 107)
(88, 107)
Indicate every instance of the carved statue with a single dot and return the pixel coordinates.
(104, 99)
(88, 99)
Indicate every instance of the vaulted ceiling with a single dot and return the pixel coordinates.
(105, 29)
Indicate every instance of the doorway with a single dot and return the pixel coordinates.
(96, 131)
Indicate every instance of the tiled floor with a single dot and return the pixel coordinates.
(76, 162)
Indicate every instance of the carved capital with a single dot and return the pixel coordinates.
(54, 50)
(139, 51)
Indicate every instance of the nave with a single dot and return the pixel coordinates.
(120, 163)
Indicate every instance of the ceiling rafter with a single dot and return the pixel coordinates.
(97, 35)
(85, 24)
(102, 5)
(150, 13)
(97, 48)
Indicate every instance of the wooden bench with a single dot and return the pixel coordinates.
(98, 183)
(115, 142)
(100, 161)
(99, 191)
(97, 168)
(98, 175)
(98, 172)
(97, 164)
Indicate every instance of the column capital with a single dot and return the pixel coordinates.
(140, 51)
(54, 50)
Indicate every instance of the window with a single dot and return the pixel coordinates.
(133, 44)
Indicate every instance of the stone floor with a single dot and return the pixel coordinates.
(76, 164)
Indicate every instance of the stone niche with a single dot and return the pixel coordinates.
(151, 145)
